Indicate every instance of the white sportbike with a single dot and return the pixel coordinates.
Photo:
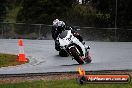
(70, 45)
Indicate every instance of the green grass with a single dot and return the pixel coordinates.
(8, 60)
(62, 84)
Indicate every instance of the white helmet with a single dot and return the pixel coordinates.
(58, 23)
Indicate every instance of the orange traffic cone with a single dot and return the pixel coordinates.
(22, 57)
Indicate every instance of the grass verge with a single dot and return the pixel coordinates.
(9, 60)
(62, 84)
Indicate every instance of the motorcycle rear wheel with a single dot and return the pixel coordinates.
(75, 54)
(63, 53)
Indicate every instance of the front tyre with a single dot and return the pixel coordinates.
(75, 54)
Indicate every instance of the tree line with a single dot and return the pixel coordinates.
(95, 13)
(100, 13)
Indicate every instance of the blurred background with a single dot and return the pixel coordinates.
(99, 20)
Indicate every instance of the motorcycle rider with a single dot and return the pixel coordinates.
(57, 28)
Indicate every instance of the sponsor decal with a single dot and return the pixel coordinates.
(102, 78)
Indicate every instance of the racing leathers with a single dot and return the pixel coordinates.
(56, 31)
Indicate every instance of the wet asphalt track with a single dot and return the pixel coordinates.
(44, 58)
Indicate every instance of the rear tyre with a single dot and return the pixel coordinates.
(63, 53)
(76, 56)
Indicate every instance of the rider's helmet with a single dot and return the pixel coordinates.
(59, 25)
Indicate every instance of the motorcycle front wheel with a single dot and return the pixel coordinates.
(75, 54)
